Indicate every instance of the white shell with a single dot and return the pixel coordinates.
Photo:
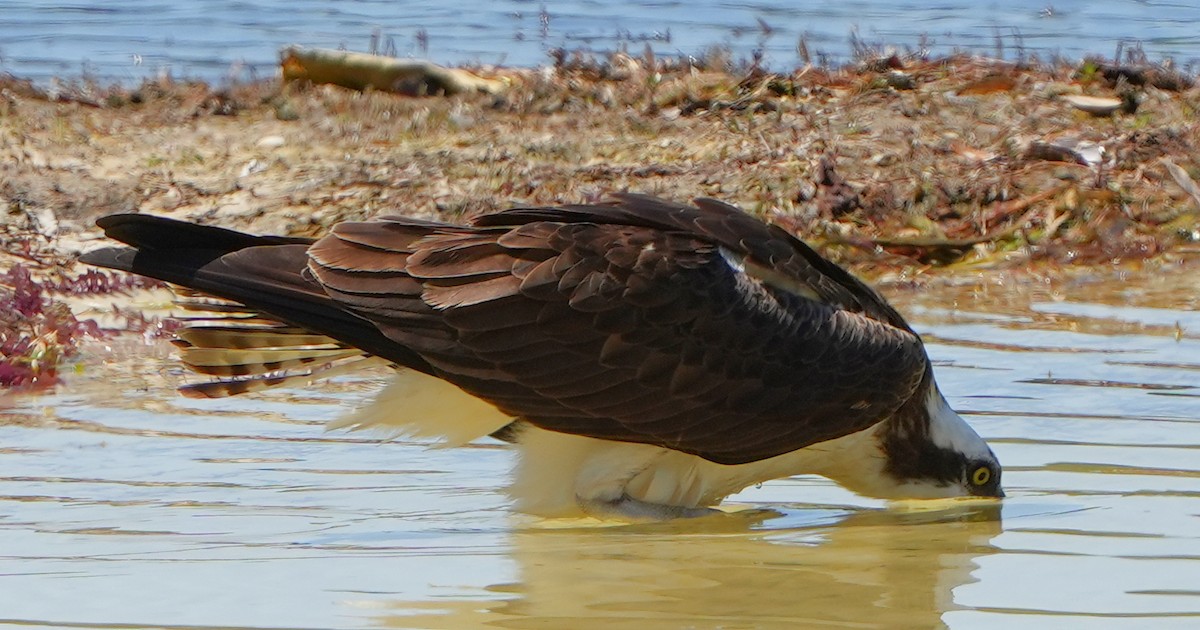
(1095, 105)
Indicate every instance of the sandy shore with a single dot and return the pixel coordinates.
(892, 164)
(962, 170)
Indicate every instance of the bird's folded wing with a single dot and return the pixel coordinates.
(694, 328)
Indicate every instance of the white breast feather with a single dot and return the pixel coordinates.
(556, 472)
(420, 406)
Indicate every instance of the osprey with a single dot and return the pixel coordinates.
(646, 358)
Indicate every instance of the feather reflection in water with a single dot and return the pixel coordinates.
(870, 569)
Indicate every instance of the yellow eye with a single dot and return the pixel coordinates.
(981, 476)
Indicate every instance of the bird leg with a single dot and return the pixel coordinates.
(627, 508)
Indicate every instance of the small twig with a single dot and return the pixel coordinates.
(1008, 208)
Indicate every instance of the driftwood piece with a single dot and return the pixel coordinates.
(1183, 180)
(990, 84)
(359, 71)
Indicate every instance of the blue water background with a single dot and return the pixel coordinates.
(220, 40)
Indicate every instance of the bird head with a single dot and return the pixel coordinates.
(923, 451)
(929, 451)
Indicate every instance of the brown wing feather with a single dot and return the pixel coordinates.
(624, 321)
(728, 226)
(697, 328)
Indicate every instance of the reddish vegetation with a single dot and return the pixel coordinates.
(37, 331)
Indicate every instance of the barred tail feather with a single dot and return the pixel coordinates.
(230, 362)
(224, 338)
(227, 339)
(245, 337)
(235, 386)
(252, 316)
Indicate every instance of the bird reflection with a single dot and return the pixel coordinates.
(866, 569)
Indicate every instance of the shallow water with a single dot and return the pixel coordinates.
(221, 39)
(122, 504)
